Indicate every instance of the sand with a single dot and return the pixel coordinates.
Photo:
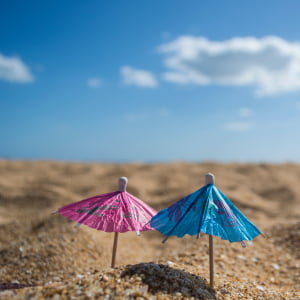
(43, 256)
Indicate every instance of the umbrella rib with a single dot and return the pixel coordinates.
(201, 219)
(188, 209)
(129, 221)
(222, 197)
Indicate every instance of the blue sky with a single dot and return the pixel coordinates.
(150, 80)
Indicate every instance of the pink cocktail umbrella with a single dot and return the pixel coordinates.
(113, 212)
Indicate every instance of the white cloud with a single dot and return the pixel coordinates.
(94, 82)
(238, 126)
(270, 64)
(14, 69)
(140, 78)
(245, 112)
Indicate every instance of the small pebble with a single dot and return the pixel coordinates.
(275, 266)
(242, 257)
(170, 263)
(259, 287)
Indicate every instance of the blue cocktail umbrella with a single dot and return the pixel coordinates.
(209, 211)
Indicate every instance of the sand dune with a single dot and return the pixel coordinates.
(44, 251)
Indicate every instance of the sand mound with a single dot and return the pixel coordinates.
(45, 250)
(163, 279)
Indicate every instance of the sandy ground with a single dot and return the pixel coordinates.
(43, 256)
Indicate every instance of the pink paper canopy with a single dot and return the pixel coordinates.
(113, 212)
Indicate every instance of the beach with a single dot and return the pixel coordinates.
(43, 256)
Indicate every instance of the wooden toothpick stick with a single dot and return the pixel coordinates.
(211, 261)
(114, 251)
(122, 188)
(210, 179)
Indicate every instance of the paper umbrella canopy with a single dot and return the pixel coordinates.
(112, 212)
(116, 212)
(209, 211)
(206, 210)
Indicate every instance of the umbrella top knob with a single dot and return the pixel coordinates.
(122, 184)
(209, 178)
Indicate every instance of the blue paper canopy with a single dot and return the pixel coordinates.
(206, 210)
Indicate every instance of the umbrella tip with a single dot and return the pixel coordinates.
(209, 178)
(122, 184)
